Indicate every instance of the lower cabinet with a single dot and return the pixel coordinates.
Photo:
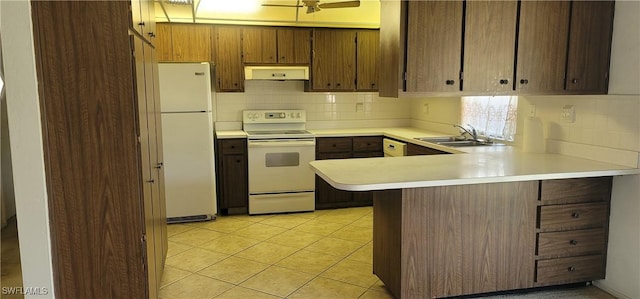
(572, 230)
(417, 150)
(328, 197)
(232, 176)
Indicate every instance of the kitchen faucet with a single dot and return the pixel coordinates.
(473, 133)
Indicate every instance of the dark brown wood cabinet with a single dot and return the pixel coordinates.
(418, 150)
(228, 58)
(572, 230)
(367, 56)
(232, 176)
(294, 45)
(433, 46)
(344, 148)
(589, 46)
(333, 60)
(184, 42)
(259, 45)
(489, 46)
(102, 146)
(272, 45)
(542, 46)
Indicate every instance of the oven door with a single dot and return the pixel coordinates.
(281, 165)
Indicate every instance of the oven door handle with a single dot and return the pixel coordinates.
(281, 143)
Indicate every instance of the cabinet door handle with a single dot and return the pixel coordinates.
(159, 165)
(151, 181)
(573, 242)
(338, 84)
(574, 81)
(450, 82)
(141, 24)
(571, 268)
(575, 215)
(504, 81)
(524, 81)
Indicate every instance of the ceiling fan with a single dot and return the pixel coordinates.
(315, 5)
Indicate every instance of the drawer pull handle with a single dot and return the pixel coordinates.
(575, 215)
(573, 242)
(571, 269)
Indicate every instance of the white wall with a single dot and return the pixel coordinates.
(26, 145)
(324, 109)
(436, 114)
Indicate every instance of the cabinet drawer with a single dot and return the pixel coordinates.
(574, 216)
(334, 144)
(367, 144)
(575, 190)
(232, 146)
(368, 154)
(571, 243)
(571, 269)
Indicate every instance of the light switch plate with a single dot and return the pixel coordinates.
(568, 113)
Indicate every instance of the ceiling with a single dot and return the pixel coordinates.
(365, 16)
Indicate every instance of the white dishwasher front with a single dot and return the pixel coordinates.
(393, 148)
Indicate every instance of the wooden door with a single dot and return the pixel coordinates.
(323, 65)
(294, 46)
(345, 60)
(590, 46)
(91, 147)
(191, 43)
(163, 42)
(259, 45)
(434, 46)
(367, 57)
(229, 70)
(235, 183)
(489, 46)
(542, 46)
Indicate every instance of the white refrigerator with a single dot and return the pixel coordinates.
(187, 134)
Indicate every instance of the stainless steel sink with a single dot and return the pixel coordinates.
(454, 141)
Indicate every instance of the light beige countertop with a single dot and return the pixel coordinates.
(228, 134)
(505, 165)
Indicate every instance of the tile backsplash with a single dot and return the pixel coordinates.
(364, 109)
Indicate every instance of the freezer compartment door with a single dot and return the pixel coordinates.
(185, 87)
(189, 164)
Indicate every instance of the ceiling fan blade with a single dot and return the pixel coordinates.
(355, 3)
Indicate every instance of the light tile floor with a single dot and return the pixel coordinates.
(324, 254)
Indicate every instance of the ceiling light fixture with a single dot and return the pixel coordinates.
(180, 2)
(229, 6)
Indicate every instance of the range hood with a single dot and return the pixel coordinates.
(273, 72)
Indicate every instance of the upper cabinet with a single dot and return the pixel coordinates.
(143, 18)
(228, 58)
(434, 46)
(367, 56)
(270, 45)
(334, 59)
(542, 46)
(589, 46)
(183, 42)
(259, 45)
(294, 45)
(489, 46)
(495, 47)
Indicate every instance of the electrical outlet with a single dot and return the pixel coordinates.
(568, 113)
(532, 110)
(359, 107)
(425, 108)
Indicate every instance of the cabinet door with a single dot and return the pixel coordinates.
(294, 46)
(163, 42)
(191, 43)
(229, 71)
(334, 57)
(235, 188)
(590, 46)
(259, 45)
(542, 46)
(434, 46)
(489, 46)
(323, 59)
(367, 58)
